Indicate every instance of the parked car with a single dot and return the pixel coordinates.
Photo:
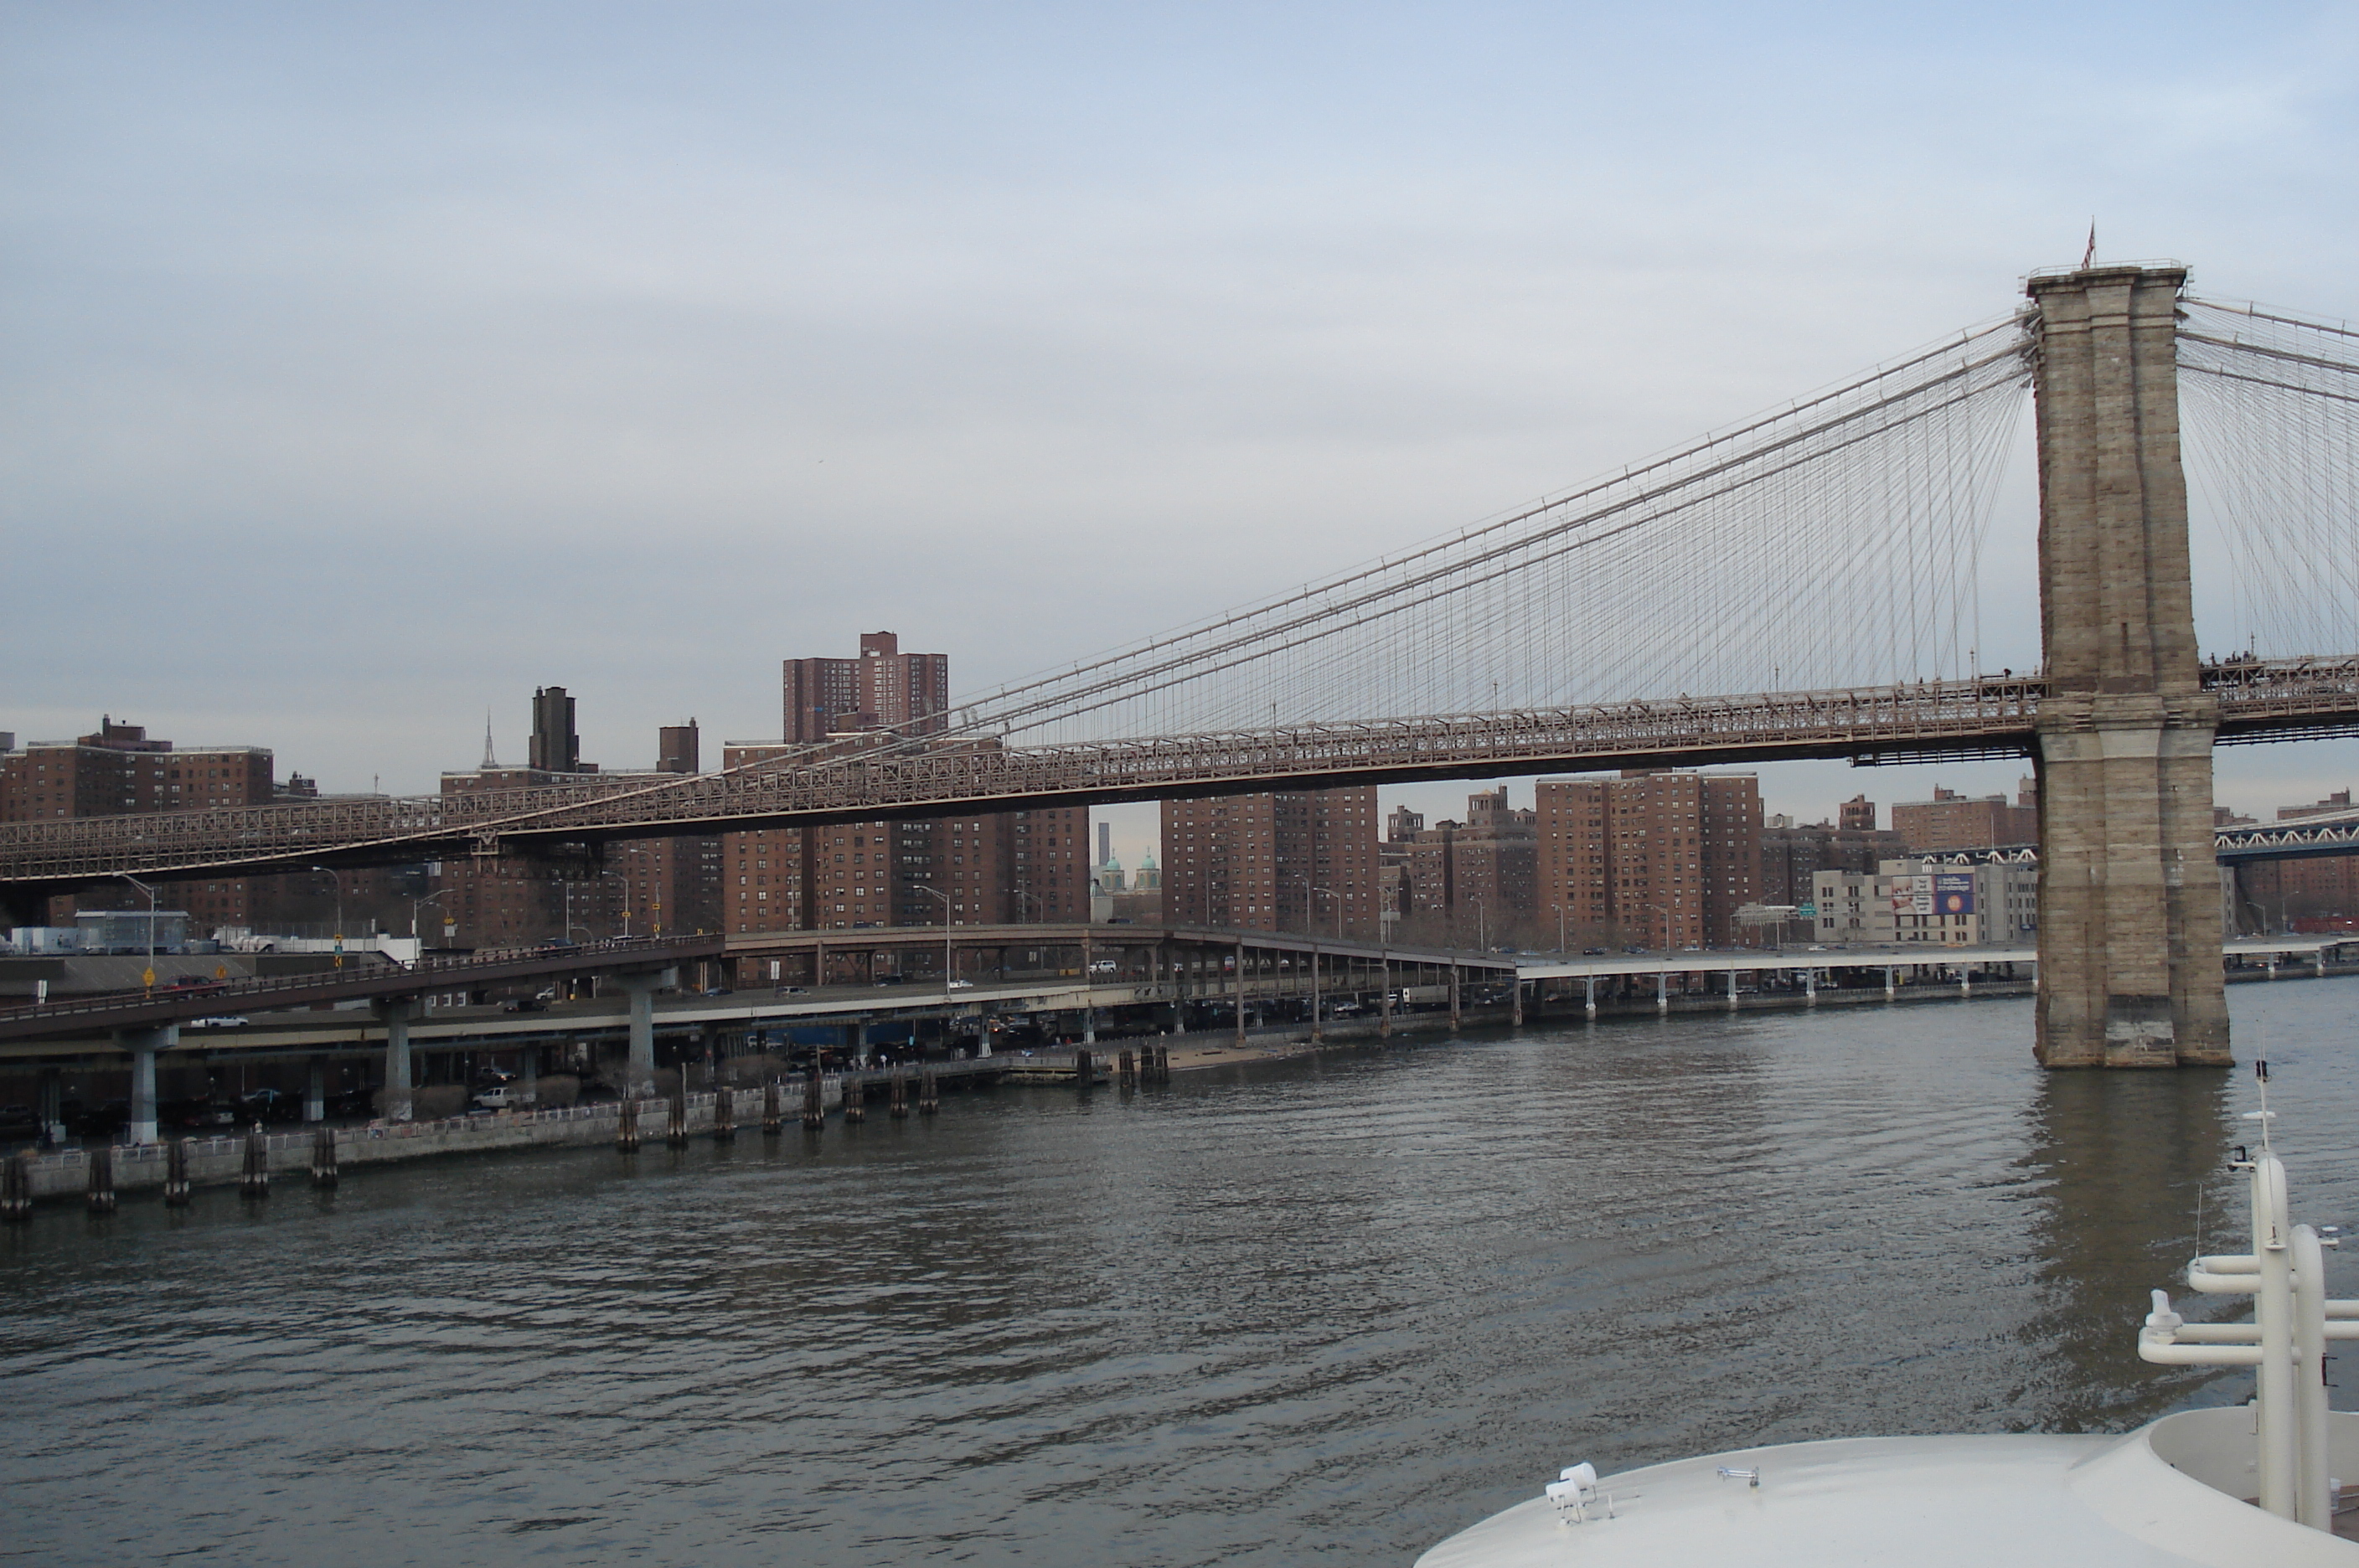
(194, 985)
(222, 1021)
(502, 1098)
(524, 1005)
(270, 1106)
(714, 991)
(105, 1122)
(891, 979)
(962, 985)
(791, 991)
(196, 1114)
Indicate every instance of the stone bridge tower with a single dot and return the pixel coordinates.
(2129, 897)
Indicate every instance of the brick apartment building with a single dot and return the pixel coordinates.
(1000, 868)
(2273, 894)
(1004, 869)
(1793, 854)
(884, 688)
(118, 771)
(1953, 821)
(1481, 874)
(1291, 861)
(642, 887)
(1649, 857)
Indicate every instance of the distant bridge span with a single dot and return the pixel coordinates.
(1991, 716)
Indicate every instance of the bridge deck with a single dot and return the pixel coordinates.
(1981, 716)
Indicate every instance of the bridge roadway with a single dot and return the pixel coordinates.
(1368, 968)
(75, 1015)
(2255, 701)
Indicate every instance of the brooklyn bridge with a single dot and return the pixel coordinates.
(1801, 585)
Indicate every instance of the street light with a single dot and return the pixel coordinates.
(148, 979)
(339, 877)
(417, 904)
(625, 881)
(947, 960)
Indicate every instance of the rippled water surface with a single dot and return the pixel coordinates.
(1327, 1309)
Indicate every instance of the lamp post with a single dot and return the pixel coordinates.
(947, 959)
(1560, 930)
(624, 880)
(338, 878)
(1025, 897)
(147, 979)
(417, 904)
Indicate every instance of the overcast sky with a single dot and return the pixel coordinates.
(369, 365)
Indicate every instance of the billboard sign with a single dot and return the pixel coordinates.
(1953, 892)
(1912, 894)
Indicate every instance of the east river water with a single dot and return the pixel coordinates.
(1326, 1310)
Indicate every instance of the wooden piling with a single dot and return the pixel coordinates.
(324, 1156)
(254, 1182)
(900, 1096)
(773, 1109)
(676, 1125)
(16, 1188)
(1126, 1069)
(1163, 1064)
(177, 1186)
(929, 1094)
(856, 1101)
(814, 1101)
(627, 1125)
(724, 1115)
(101, 1180)
(1083, 1069)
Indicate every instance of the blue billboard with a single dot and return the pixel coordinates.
(1953, 892)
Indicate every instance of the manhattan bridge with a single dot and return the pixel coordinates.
(1834, 546)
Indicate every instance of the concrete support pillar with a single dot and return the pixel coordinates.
(1663, 992)
(1732, 990)
(1314, 991)
(1588, 995)
(143, 1044)
(1241, 992)
(395, 1011)
(1809, 987)
(639, 1067)
(1891, 983)
(2129, 904)
(315, 1090)
(1518, 986)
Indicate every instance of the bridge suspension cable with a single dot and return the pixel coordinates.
(2270, 410)
(1836, 540)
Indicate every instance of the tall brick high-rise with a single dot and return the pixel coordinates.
(1479, 873)
(1002, 868)
(1649, 857)
(1290, 862)
(884, 688)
